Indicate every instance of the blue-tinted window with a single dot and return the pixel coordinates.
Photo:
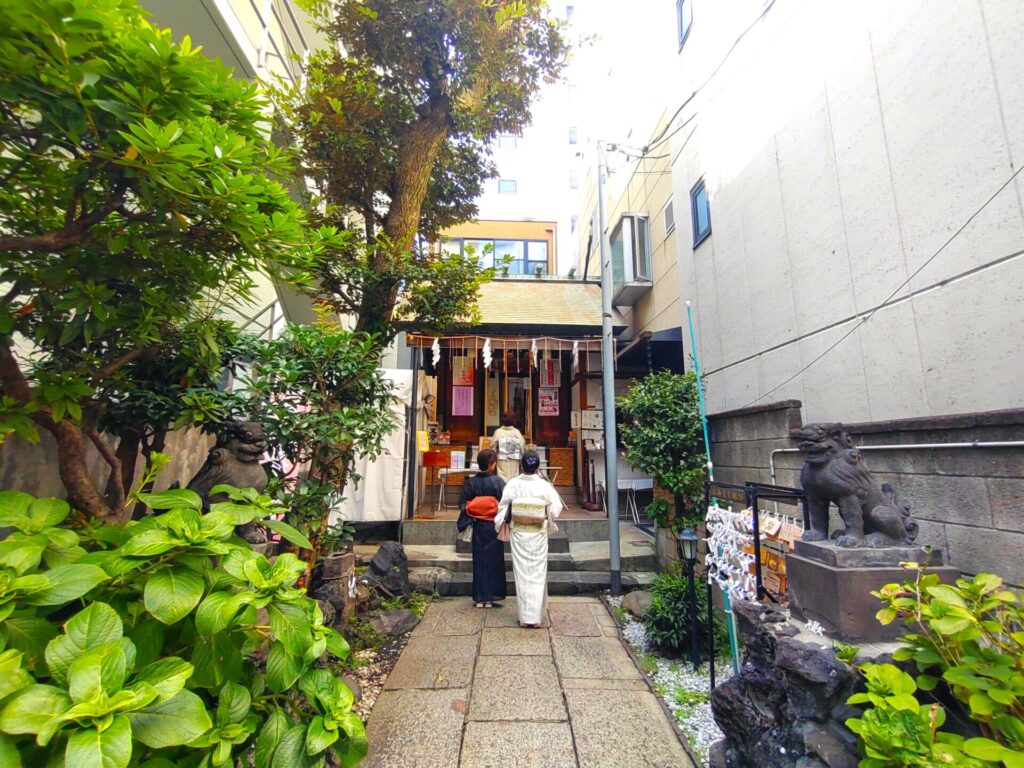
(701, 213)
(572, 134)
(506, 186)
(684, 18)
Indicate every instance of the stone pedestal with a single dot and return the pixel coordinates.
(833, 585)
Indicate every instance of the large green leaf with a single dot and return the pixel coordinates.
(218, 610)
(176, 721)
(269, 737)
(32, 708)
(291, 751)
(288, 533)
(283, 668)
(101, 669)
(99, 623)
(178, 497)
(46, 513)
(290, 625)
(233, 704)
(319, 738)
(167, 676)
(66, 583)
(14, 509)
(12, 676)
(92, 748)
(351, 750)
(172, 593)
(149, 543)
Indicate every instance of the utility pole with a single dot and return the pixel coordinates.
(611, 468)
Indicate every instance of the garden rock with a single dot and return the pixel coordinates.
(389, 570)
(637, 603)
(395, 622)
(781, 710)
(424, 580)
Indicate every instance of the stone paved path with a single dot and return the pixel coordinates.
(473, 690)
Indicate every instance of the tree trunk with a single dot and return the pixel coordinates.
(417, 153)
(74, 473)
(127, 453)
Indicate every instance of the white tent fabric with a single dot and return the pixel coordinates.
(379, 497)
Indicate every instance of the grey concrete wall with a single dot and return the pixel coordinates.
(842, 145)
(969, 501)
(33, 468)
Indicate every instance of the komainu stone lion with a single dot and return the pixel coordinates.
(834, 472)
(235, 460)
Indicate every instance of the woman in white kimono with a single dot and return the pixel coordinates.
(531, 503)
(509, 443)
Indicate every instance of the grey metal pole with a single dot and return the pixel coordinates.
(611, 469)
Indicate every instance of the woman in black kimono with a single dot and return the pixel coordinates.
(488, 552)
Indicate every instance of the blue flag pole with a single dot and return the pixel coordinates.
(730, 620)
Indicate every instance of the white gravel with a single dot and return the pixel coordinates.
(684, 689)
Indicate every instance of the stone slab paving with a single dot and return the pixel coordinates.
(473, 690)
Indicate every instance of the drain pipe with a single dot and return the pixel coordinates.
(908, 447)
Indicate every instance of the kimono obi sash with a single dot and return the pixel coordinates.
(482, 508)
(529, 513)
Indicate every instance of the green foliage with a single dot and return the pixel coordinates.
(667, 621)
(323, 400)
(139, 194)
(968, 636)
(397, 128)
(648, 663)
(338, 537)
(688, 698)
(141, 644)
(845, 653)
(899, 732)
(417, 602)
(661, 432)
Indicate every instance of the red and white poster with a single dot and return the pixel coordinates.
(547, 402)
(551, 373)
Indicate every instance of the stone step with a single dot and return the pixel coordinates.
(559, 583)
(463, 563)
(557, 542)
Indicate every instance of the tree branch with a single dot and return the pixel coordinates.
(116, 483)
(117, 363)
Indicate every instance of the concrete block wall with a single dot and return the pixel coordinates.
(32, 468)
(969, 501)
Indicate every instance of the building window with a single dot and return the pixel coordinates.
(506, 186)
(574, 179)
(519, 257)
(701, 213)
(573, 221)
(572, 134)
(631, 251)
(684, 19)
(670, 218)
(568, 12)
(506, 141)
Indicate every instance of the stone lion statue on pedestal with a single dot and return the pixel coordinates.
(834, 472)
(235, 460)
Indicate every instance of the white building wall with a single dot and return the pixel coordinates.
(842, 145)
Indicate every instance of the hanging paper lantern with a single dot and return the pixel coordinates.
(436, 349)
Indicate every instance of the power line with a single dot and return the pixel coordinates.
(714, 72)
(892, 295)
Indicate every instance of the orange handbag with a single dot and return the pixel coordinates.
(482, 508)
